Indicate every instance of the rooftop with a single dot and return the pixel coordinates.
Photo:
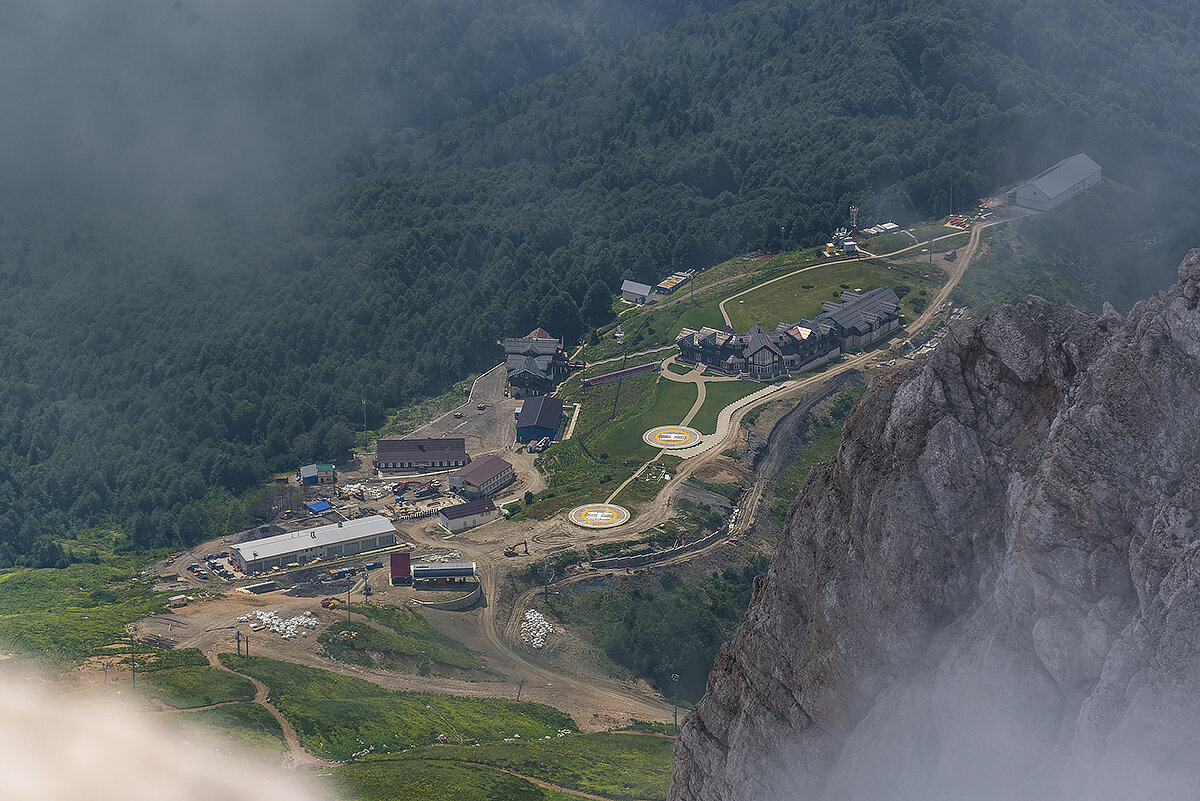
(468, 509)
(540, 412)
(635, 287)
(1065, 174)
(293, 541)
(482, 470)
(860, 311)
(417, 449)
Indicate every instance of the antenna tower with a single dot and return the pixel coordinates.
(854, 219)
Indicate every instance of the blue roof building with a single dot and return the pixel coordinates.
(540, 417)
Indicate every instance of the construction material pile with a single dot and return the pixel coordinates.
(372, 493)
(287, 628)
(535, 629)
(448, 556)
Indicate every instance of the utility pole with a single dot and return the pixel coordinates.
(347, 604)
(617, 394)
(239, 643)
(675, 701)
(364, 405)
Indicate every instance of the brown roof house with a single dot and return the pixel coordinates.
(420, 454)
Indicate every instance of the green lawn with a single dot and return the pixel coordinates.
(412, 644)
(187, 687)
(607, 764)
(150, 659)
(720, 394)
(604, 452)
(888, 243)
(679, 369)
(63, 615)
(431, 780)
(339, 716)
(239, 726)
(800, 297)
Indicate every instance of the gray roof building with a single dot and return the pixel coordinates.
(337, 539)
(1061, 182)
(543, 412)
(635, 292)
(860, 313)
(857, 320)
(535, 363)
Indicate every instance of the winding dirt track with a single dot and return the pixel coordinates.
(296, 756)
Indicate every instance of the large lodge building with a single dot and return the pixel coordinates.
(535, 363)
(421, 454)
(855, 322)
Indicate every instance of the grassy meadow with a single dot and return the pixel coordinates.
(340, 716)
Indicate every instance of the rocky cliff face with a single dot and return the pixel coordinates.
(992, 591)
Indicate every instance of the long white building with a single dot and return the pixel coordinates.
(324, 542)
(1061, 182)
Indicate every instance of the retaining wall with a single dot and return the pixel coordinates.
(658, 556)
(457, 604)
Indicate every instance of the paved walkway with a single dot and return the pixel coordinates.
(571, 426)
(723, 422)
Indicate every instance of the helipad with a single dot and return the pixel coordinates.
(599, 515)
(672, 437)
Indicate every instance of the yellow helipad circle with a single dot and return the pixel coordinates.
(672, 437)
(599, 515)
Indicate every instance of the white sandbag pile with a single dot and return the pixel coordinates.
(535, 628)
(287, 628)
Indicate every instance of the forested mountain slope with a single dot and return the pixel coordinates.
(204, 274)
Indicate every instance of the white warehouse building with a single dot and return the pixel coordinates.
(324, 542)
(1061, 182)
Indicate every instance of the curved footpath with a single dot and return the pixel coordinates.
(296, 755)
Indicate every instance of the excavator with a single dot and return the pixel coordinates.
(512, 549)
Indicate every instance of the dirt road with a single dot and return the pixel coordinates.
(296, 756)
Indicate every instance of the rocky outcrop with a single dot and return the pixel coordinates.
(992, 591)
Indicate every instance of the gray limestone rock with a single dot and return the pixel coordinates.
(994, 590)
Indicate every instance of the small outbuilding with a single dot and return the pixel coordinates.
(468, 515)
(444, 571)
(318, 474)
(634, 292)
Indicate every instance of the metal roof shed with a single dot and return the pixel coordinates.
(445, 570)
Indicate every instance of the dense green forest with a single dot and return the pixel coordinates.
(207, 263)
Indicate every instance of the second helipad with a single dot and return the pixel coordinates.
(599, 515)
(672, 437)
